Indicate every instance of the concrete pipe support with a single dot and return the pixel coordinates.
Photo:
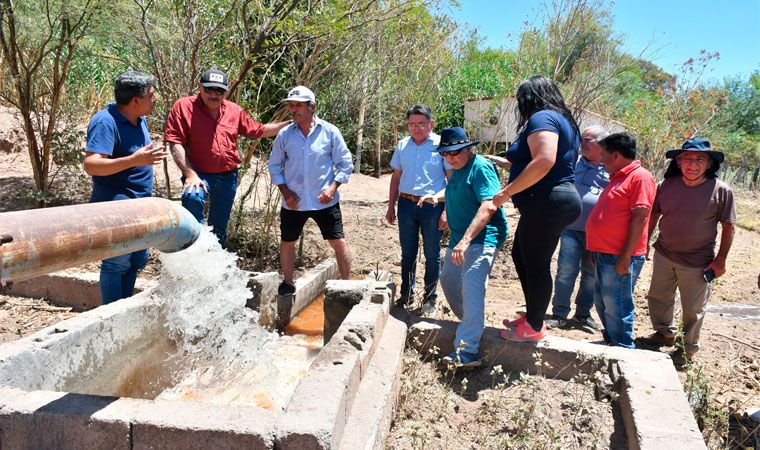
(39, 241)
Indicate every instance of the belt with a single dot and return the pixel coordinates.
(414, 198)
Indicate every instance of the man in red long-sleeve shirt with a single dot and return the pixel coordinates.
(202, 132)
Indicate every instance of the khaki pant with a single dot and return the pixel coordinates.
(666, 276)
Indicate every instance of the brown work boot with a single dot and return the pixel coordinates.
(655, 340)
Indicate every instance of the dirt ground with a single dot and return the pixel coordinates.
(726, 369)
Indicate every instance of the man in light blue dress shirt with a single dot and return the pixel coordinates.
(309, 160)
(418, 170)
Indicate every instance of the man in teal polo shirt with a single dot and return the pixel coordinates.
(478, 230)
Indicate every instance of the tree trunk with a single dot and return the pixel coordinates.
(379, 139)
(360, 124)
(35, 157)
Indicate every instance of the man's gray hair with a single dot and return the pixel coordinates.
(131, 84)
(598, 131)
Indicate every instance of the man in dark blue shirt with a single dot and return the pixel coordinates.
(120, 157)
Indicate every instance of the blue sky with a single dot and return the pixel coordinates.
(679, 29)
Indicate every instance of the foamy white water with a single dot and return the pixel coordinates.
(228, 358)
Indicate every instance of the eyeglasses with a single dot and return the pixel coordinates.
(452, 153)
(418, 125)
(589, 140)
(213, 90)
(685, 160)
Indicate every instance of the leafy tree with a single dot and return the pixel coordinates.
(39, 39)
(476, 74)
(576, 47)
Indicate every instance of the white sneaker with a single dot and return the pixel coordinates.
(428, 309)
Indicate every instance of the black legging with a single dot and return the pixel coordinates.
(544, 214)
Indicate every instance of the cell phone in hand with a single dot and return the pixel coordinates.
(709, 275)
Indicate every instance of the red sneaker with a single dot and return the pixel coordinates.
(513, 323)
(523, 332)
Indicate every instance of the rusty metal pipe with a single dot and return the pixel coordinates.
(39, 241)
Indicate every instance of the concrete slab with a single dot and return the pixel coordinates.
(192, 425)
(80, 291)
(655, 407)
(312, 283)
(69, 355)
(340, 297)
(79, 421)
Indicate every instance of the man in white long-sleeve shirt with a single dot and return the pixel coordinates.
(309, 160)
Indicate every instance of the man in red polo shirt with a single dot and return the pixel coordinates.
(202, 132)
(616, 233)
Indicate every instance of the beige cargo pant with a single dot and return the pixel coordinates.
(694, 291)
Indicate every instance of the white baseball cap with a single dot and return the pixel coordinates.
(301, 94)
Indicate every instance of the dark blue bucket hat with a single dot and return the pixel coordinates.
(453, 139)
(696, 144)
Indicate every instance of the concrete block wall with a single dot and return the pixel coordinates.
(263, 286)
(276, 311)
(71, 353)
(57, 420)
(319, 410)
(375, 402)
(78, 290)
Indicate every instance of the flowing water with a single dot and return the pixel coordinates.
(216, 350)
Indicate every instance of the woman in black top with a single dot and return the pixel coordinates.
(541, 185)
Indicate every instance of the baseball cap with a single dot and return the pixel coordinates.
(301, 94)
(214, 78)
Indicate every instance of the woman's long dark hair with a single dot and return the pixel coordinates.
(674, 171)
(536, 94)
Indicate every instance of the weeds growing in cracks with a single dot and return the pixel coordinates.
(442, 407)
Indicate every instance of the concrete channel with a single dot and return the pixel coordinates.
(51, 397)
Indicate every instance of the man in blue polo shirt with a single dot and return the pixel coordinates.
(418, 170)
(120, 158)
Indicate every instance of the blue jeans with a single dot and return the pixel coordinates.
(572, 257)
(118, 275)
(465, 289)
(613, 298)
(221, 190)
(411, 220)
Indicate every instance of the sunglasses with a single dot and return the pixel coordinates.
(685, 160)
(213, 90)
(452, 153)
